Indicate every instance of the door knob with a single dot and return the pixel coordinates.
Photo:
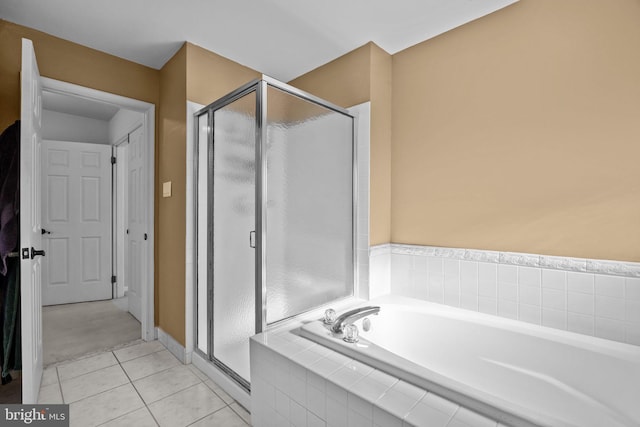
(36, 252)
(43, 231)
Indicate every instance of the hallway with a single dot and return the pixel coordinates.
(139, 385)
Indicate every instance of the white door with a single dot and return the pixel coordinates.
(30, 226)
(136, 216)
(76, 210)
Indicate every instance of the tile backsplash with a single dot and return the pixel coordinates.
(591, 297)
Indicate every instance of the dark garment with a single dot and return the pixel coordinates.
(9, 192)
(11, 356)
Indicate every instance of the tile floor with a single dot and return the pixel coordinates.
(140, 385)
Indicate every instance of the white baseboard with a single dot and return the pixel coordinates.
(173, 346)
(232, 389)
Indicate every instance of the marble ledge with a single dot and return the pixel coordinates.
(615, 268)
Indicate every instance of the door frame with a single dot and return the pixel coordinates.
(148, 122)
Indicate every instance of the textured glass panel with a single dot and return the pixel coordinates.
(233, 219)
(309, 206)
(203, 172)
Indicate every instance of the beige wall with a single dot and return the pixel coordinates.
(70, 62)
(521, 132)
(170, 214)
(362, 75)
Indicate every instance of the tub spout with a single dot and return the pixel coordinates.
(351, 316)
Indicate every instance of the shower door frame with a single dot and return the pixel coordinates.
(260, 87)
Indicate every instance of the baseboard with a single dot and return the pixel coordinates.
(173, 346)
(232, 389)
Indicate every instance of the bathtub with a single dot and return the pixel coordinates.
(512, 372)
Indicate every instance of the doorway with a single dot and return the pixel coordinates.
(96, 220)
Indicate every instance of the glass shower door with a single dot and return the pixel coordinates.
(233, 237)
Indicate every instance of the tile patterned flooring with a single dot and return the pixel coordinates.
(140, 385)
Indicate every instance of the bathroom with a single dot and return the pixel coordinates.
(495, 177)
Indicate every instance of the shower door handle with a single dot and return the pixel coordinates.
(252, 239)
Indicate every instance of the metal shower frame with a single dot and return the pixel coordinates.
(260, 87)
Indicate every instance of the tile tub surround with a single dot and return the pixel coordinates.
(592, 297)
(296, 382)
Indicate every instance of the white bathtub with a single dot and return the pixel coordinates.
(516, 373)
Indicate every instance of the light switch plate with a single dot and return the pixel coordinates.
(166, 189)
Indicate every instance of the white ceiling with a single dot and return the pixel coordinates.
(280, 38)
(78, 106)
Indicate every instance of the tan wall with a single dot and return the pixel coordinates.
(70, 62)
(170, 215)
(211, 76)
(520, 132)
(362, 75)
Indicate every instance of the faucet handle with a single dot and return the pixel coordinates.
(329, 316)
(351, 333)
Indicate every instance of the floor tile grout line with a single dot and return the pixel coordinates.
(59, 385)
(208, 415)
(138, 393)
(138, 357)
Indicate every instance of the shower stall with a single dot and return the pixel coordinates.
(275, 207)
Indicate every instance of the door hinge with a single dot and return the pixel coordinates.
(113, 160)
(113, 279)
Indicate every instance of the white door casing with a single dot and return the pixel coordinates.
(76, 210)
(137, 224)
(30, 224)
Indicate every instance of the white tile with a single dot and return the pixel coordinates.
(439, 403)
(316, 381)
(580, 303)
(553, 298)
(199, 373)
(382, 418)
(218, 391)
(186, 406)
(382, 378)
(423, 415)
(282, 404)
(49, 376)
(436, 289)
(298, 414)
(223, 417)
(469, 302)
(611, 308)
(419, 284)
(610, 329)
(529, 276)
(86, 365)
(451, 270)
(50, 394)
(580, 323)
(508, 292)
(633, 333)
(554, 279)
(530, 295)
(580, 282)
(149, 364)
(104, 407)
(138, 350)
(487, 305)
(297, 389)
(316, 401)
(530, 314)
(554, 318)
(347, 376)
(611, 286)
(160, 385)
(409, 390)
(420, 263)
(401, 262)
(435, 266)
(138, 418)
(326, 366)
(396, 403)
(314, 421)
(452, 296)
(508, 274)
(358, 420)
(359, 405)
(508, 309)
(469, 272)
(633, 311)
(472, 419)
(337, 414)
(93, 383)
(487, 280)
(370, 389)
(632, 289)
